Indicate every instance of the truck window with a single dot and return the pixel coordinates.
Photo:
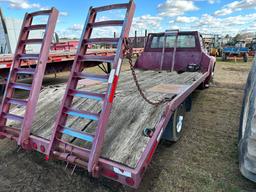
(184, 41)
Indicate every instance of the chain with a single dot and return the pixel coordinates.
(129, 53)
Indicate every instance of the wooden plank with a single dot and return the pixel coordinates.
(168, 88)
(124, 141)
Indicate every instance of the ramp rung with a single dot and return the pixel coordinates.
(27, 71)
(22, 86)
(108, 23)
(43, 12)
(35, 27)
(12, 117)
(88, 95)
(77, 134)
(32, 41)
(28, 56)
(106, 59)
(82, 114)
(102, 78)
(17, 101)
(111, 7)
(111, 41)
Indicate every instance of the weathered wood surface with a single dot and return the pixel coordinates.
(124, 142)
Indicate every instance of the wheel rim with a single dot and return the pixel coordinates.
(179, 124)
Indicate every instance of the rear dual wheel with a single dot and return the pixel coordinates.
(224, 56)
(174, 128)
(245, 57)
(2, 88)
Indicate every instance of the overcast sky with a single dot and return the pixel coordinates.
(207, 16)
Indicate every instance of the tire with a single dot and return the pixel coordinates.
(245, 57)
(2, 89)
(224, 57)
(174, 128)
(188, 103)
(203, 86)
(213, 73)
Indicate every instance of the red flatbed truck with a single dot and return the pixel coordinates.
(104, 124)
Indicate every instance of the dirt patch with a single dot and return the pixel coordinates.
(240, 69)
(227, 85)
(205, 159)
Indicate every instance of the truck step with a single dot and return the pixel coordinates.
(82, 114)
(88, 95)
(77, 134)
(102, 78)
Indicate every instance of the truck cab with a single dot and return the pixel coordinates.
(176, 54)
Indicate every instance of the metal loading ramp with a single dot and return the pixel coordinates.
(38, 73)
(124, 142)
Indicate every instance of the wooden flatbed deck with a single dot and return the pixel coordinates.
(124, 141)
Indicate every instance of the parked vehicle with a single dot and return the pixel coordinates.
(252, 47)
(247, 130)
(239, 50)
